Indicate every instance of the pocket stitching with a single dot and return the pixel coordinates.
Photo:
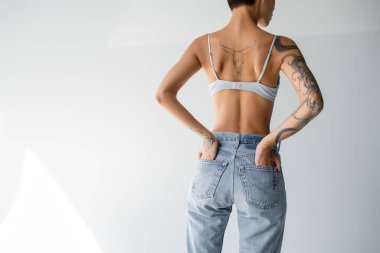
(211, 187)
(217, 162)
(219, 153)
(254, 201)
(258, 167)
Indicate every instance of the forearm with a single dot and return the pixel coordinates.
(304, 113)
(174, 107)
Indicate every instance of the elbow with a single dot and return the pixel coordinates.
(314, 104)
(318, 105)
(159, 97)
(321, 106)
(162, 96)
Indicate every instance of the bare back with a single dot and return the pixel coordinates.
(241, 110)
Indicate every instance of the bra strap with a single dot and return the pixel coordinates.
(267, 59)
(210, 54)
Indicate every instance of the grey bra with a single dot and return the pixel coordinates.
(257, 87)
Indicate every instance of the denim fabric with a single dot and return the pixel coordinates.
(258, 193)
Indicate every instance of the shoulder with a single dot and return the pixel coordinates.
(285, 44)
(285, 50)
(198, 46)
(200, 42)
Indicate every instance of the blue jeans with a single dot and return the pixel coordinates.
(258, 193)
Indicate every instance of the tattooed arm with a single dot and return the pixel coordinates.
(295, 68)
(177, 76)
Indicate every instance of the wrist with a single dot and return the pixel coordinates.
(209, 139)
(268, 141)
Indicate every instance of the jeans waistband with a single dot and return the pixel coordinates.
(241, 138)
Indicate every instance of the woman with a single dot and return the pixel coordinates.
(239, 162)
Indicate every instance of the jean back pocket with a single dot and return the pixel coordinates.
(260, 185)
(207, 177)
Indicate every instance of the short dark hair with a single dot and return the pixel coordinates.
(236, 3)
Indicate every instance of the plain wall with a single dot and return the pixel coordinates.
(77, 92)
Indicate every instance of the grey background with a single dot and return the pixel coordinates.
(77, 87)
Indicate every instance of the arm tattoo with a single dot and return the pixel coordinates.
(208, 141)
(305, 77)
(313, 102)
(281, 47)
(282, 131)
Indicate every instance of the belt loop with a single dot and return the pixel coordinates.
(237, 140)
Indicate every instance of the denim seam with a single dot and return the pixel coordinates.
(248, 196)
(211, 190)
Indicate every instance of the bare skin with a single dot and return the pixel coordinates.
(239, 51)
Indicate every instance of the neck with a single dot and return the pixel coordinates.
(243, 20)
